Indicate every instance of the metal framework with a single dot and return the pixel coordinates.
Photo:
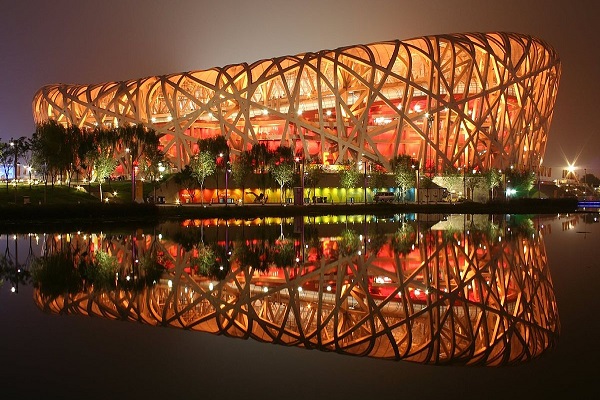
(453, 297)
(479, 100)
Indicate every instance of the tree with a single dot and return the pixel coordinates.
(51, 153)
(261, 157)
(153, 165)
(219, 149)
(312, 175)
(104, 164)
(6, 159)
(473, 180)
(520, 181)
(282, 167)
(404, 170)
(493, 178)
(241, 170)
(201, 166)
(349, 177)
(139, 139)
(186, 179)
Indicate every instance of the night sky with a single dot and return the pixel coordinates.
(84, 42)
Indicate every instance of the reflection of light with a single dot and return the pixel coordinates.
(210, 286)
(328, 288)
(265, 289)
(170, 283)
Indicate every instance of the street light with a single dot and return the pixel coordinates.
(227, 171)
(15, 150)
(415, 166)
(128, 151)
(301, 172)
(365, 181)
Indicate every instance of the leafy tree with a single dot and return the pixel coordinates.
(376, 177)
(140, 140)
(154, 163)
(313, 174)
(104, 165)
(282, 167)
(349, 177)
(453, 175)
(51, 153)
(261, 158)
(521, 181)
(73, 135)
(219, 149)
(201, 166)
(404, 171)
(493, 179)
(6, 159)
(186, 179)
(473, 180)
(241, 170)
(591, 179)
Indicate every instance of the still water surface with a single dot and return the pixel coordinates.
(459, 306)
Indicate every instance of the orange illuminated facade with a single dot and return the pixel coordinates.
(480, 99)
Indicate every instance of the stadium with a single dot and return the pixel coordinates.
(482, 100)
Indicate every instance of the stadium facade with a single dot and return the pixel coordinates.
(480, 100)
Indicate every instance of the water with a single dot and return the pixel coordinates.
(430, 305)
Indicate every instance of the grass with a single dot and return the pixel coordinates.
(63, 194)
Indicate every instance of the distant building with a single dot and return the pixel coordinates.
(480, 100)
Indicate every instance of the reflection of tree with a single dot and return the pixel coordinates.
(205, 259)
(377, 239)
(252, 255)
(188, 237)
(283, 254)
(521, 224)
(57, 274)
(102, 273)
(312, 239)
(211, 261)
(349, 242)
(403, 239)
(150, 269)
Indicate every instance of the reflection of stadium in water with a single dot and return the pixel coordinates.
(461, 292)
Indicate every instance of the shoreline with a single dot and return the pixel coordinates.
(31, 215)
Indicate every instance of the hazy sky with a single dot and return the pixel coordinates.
(79, 41)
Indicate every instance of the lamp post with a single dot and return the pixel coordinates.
(301, 172)
(15, 150)
(130, 153)
(416, 168)
(365, 181)
(227, 170)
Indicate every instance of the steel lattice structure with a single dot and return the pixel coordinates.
(479, 99)
(471, 297)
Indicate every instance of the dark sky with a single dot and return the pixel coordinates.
(74, 41)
